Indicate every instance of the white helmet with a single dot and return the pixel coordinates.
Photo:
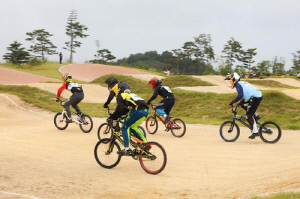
(234, 78)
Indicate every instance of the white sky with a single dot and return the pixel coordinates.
(136, 26)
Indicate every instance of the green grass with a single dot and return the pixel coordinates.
(191, 106)
(280, 196)
(269, 83)
(139, 86)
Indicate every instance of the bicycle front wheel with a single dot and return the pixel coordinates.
(87, 123)
(105, 131)
(105, 153)
(155, 160)
(229, 131)
(60, 121)
(151, 124)
(178, 128)
(270, 132)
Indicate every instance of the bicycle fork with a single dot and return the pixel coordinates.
(232, 125)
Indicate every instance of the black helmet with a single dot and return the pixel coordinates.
(111, 81)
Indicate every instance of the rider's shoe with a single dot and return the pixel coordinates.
(257, 117)
(70, 120)
(147, 148)
(167, 118)
(125, 152)
(253, 135)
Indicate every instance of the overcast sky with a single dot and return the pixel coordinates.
(136, 26)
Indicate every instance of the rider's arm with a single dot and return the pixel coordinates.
(119, 110)
(110, 97)
(240, 91)
(154, 95)
(63, 87)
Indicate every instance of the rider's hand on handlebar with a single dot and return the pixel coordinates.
(105, 105)
(148, 103)
(57, 99)
(230, 103)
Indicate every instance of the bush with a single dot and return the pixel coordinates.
(35, 62)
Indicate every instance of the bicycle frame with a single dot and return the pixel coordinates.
(233, 109)
(156, 115)
(134, 142)
(64, 112)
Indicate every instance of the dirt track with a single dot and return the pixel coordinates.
(39, 161)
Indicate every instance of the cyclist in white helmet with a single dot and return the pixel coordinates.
(250, 99)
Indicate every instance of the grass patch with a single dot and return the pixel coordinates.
(191, 106)
(139, 86)
(280, 196)
(186, 81)
(270, 83)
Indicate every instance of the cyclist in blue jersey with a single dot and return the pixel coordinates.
(250, 99)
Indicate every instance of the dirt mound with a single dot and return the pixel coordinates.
(8, 76)
(89, 72)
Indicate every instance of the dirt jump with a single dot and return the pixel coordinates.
(39, 161)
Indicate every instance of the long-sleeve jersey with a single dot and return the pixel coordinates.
(70, 86)
(128, 101)
(162, 90)
(246, 91)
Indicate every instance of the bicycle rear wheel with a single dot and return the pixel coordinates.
(60, 121)
(151, 124)
(178, 128)
(87, 123)
(155, 160)
(270, 132)
(229, 131)
(104, 131)
(105, 153)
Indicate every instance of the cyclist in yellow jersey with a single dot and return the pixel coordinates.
(138, 112)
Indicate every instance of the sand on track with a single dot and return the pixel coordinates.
(41, 161)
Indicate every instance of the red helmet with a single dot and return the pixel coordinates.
(154, 82)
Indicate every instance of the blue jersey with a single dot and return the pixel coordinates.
(246, 91)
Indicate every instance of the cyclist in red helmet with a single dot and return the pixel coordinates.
(76, 97)
(165, 106)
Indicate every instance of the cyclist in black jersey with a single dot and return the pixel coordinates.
(165, 106)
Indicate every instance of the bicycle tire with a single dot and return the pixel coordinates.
(58, 120)
(225, 134)
(268, 129)
(102, 155)
(104, 131)
(87, 122)
(157, 160)
(151, 124)
(179, 128)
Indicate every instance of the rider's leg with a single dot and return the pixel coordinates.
(140, 116)
(77, 98)
(254, 103)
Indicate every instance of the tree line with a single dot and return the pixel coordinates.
(195, 57)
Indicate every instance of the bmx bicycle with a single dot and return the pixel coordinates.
(84, 121)
(177, 126)
(269, 131)
(106, 129)
(151, 155)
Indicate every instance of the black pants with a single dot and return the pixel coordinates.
(74, 101)
(250, 107)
